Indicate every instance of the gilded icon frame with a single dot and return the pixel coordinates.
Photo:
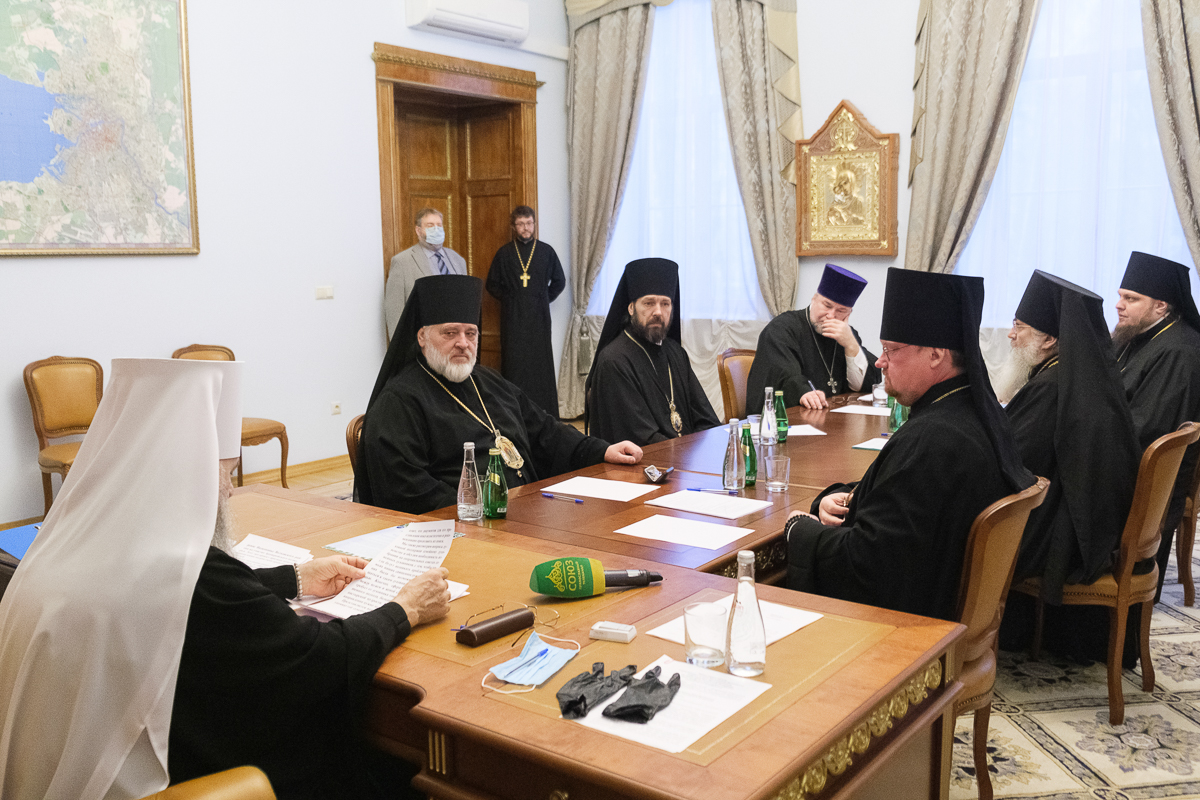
(846, 188)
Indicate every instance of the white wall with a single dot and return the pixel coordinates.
(284, 126)
(870, 63)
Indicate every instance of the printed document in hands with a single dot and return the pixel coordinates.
(423, 546)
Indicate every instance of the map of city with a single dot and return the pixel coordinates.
(95, 134)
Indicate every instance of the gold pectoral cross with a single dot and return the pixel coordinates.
(525, 280)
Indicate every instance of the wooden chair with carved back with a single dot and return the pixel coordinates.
(353, 434)
(991, 555)
(64, 394)
(1121, 588)
(255, 430)
(733, 367)
(1185, 540)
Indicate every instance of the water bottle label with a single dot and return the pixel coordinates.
(494, 478)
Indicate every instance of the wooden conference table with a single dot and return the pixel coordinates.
(860, 703)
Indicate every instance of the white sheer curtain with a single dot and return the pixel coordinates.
(1081, 180)
(681, 199)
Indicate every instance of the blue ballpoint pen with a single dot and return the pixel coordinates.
(715, 491)
(553, 496)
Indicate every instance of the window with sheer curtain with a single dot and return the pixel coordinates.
(681, 198)
(1081, 180)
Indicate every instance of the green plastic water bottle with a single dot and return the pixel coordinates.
(897, 415)
(751, 456)
(495, 488)
(781, 422)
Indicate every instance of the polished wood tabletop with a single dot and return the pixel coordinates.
(861, 701)
(817, 461)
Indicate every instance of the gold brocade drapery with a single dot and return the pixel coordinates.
(1171, 30)
(752, 69)
(606, 83)
(969, 61)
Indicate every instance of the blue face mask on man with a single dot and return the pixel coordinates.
(435, 235)
(537, 663)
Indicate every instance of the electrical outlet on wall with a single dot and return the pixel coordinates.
(336, 408)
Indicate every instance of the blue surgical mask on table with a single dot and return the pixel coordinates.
(435, 236)
(537, 663)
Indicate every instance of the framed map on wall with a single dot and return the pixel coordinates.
(95, 129)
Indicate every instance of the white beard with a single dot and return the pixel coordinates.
(223, 533)
(455, 373)
(1015, 371)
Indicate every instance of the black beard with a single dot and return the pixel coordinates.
(524, 239)
(655, 337)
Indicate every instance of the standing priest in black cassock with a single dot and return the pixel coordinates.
(1157, 341)
(641, 386)
(897, 540)
(812, 354)
(526, 277)
(1072, 425)
(431, 396)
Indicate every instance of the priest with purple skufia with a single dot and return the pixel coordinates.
(812, 354)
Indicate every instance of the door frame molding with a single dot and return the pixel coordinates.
(399, 70)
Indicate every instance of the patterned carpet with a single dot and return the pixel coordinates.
(1049, 736)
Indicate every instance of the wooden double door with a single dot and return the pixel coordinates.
(471, 156)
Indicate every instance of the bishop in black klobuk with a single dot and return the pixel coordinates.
(899, 540)
(1072, 425)
(1160, 366)
(796, 357)
(420, 413)
(641, 386)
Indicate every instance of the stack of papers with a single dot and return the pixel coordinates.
(709, 535)
(804, 430)
(601, 489)
(258, 552)
(422, 547)
(368, 545)
(714, 505)
(706, 698)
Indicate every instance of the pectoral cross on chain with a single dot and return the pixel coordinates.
(832, 386)
(525, 281)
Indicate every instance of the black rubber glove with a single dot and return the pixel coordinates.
(644, 698)
(587, 690)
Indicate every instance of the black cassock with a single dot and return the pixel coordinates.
(631, 387)
(526, 354)
(789, 356)
(1087, 452)
(413, 437)
(905, 534)
(260, 685)
(1161, 372)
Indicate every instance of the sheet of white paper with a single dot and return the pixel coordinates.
(873, 411)
(871, 444)
(368, 545)
(804, 430)
(706, 698)
(708, 535)
(423, 546)
(779, 621)
(601, 489)
(866, 398)
(457, 590)
(258, 552)
(714, 505)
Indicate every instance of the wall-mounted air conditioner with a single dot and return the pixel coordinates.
(494, 21)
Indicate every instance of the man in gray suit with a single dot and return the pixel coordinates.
(426, 257)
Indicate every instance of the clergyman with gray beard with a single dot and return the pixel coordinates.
(1072, 425)
(431, 396)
